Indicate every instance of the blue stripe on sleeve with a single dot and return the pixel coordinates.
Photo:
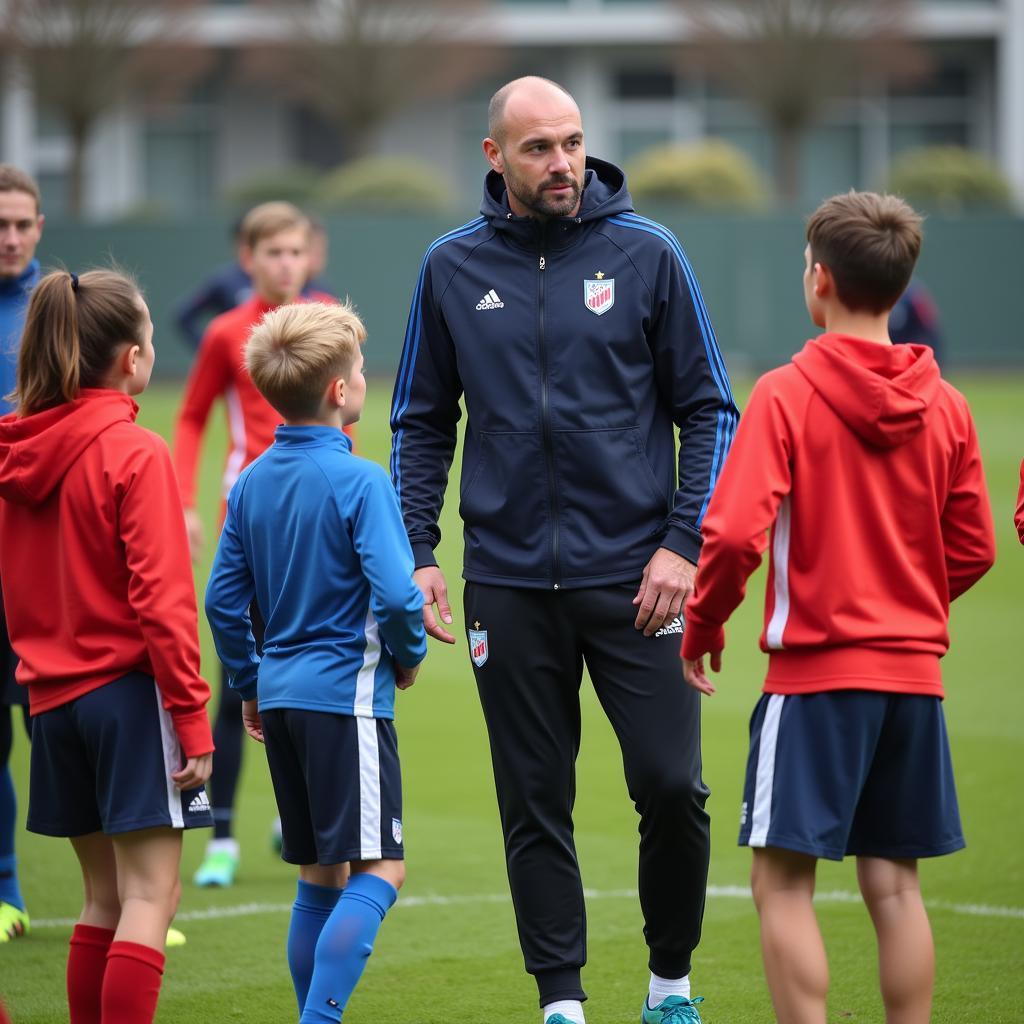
(727, 420)
(410, 348)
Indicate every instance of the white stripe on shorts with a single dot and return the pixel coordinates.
(172, 760)
(365, 680)
(764, 780)
(369, 789)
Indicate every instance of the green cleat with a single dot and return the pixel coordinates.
(14, 922)
(672, 1010)
(174, 938)
(217, 870)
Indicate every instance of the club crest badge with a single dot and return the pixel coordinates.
(396, 830)
(478, 646)
(599, 295)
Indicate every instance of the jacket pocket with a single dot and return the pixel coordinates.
(504, 506)
(611, 503)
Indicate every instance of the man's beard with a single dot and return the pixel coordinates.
(540, 202)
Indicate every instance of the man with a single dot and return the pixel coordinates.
(577, 333)
(21, 227)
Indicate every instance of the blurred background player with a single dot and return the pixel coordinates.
(315, 535)
(275, 254)
(864, 465)
(230, 285)
(21, 227)
(101, 608)
(914, 320)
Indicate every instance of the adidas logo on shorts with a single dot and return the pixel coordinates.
(675, 626)
(199, 804)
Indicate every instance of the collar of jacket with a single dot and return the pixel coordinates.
(604, 194)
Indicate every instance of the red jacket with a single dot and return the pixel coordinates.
(94, 559)
(1018, 517)
(219, 370)
(864, 465)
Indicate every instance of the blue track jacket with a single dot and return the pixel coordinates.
(315, 534)
(15, 293)
(579, 344)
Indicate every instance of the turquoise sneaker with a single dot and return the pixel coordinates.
(217, 870)
(557, 1018)
(672, 1010)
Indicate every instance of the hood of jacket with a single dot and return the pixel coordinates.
(37, 451)
(881, 392)
(604, 195)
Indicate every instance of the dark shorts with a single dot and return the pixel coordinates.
(10, 691)
(103, 763)
(850, 772)
(338, 786)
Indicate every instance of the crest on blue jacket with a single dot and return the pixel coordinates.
(478, 646)
(599, 295)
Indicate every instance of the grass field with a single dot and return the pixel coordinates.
(448, 952)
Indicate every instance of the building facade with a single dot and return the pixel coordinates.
(624, 60)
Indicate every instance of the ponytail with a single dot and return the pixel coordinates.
(73, 329)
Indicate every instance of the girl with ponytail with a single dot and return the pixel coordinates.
(101, 609)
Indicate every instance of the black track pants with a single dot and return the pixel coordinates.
(537, 642)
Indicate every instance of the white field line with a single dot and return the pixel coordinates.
(411, 902)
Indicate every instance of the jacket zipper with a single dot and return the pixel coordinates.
(545, 415)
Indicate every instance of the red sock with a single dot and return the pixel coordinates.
(87, 961)
(131, 984)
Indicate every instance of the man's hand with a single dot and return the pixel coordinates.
(431, 582)
(194, 529)
(693, 672)
(251, 719)
(195, 773)
(667, 583)
(405, 677)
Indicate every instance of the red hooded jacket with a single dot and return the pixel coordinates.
(94, 559)
(1018, 517)
(864, 465)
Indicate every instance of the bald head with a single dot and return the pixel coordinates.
(525, 92)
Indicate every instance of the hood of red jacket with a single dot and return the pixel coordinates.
(881, 392)
(37, 451)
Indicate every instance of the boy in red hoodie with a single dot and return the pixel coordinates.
(863, 465)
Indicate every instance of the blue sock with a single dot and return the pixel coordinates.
(310, 911)
(10, 891)
(345, 945)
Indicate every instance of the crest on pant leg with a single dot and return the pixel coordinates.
(396, 830)
(478, 646)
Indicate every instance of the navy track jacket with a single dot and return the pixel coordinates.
(578, 343)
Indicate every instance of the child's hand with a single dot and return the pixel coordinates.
(405, 677)
(194, 529)
(693, 672)
(251, 719)
(195, 773)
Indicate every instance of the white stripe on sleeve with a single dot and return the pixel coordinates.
(362, 702)
(780, 565)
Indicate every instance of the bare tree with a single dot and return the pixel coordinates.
(82, 57)
(790, 58)
(357, 62)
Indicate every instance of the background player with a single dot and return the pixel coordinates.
(21, 227)
(275, 253)
(864, 465)
(315, 535)
(101, 607)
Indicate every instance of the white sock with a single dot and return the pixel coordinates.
(571, 1009)
(222, 846)
(661, 988)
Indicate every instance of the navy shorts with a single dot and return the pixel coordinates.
(338, 786)
(850, 772)
(103, 763)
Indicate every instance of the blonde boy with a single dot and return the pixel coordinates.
(314, 534)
